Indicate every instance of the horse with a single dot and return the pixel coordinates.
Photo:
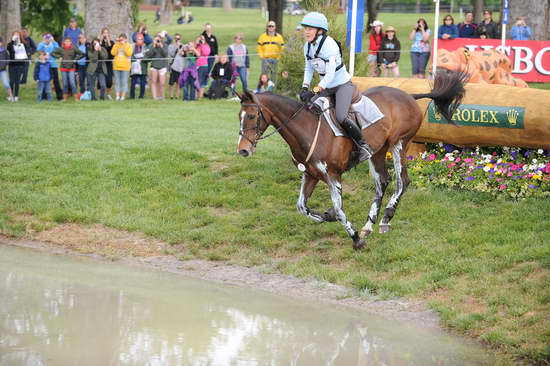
(321, 155)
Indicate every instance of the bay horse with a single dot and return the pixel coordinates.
(322, 156)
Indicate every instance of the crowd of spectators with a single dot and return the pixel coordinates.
(90, 67)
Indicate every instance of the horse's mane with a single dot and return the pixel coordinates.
(288, 103)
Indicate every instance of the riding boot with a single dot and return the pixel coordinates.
(354, 132)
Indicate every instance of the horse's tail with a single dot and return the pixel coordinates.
(447, 92)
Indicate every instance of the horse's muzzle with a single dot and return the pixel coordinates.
(244, 153)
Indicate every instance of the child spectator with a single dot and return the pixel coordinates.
(520, 31)
(390, 52)
(107, 43)
(203, 50)
(175, 52)
(376, 36)
(468, 28)
(68, 54)
(222, 72)
(238, 56)
(48, 45)
(81, 65)
(420, 49)
(122, 51)
(138, 72)
(43, 76)
(4, 78)
(19, 55)
(189, 76)
(97, 68)
(448, 30)
(159, 66)
(264, 84)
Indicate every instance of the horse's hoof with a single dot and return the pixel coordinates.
(365, 233)
(359, 244)
(384, 229)
(330, 215)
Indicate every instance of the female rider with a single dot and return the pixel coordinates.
(323, 54)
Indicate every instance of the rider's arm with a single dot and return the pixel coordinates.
(330, 71)
(308, 71)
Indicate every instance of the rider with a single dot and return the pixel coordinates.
(323, 54)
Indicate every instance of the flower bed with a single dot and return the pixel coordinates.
(512, 172)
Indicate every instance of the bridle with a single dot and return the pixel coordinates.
(260, 116)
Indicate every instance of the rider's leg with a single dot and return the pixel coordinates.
(343, 102)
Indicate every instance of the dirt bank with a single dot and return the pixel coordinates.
(107, 244)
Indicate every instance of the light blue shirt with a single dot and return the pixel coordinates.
(48, 48)
(327, 61)
(520, 33)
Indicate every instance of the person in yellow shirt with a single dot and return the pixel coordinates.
(270, 48)
(122, 52)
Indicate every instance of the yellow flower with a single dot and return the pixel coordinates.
(388, 155)
(537, 176)
(489, 166)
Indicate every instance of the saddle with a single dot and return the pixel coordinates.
(363, 111)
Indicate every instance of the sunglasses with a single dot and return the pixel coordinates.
(271, 26)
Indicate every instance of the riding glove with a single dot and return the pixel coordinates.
(306, 95)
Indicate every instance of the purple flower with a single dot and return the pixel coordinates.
(514, 154)
(470, 178)
(449, 148)
(532, 186)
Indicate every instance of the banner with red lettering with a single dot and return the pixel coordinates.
(530, 59)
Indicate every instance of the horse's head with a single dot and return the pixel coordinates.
(253, 123)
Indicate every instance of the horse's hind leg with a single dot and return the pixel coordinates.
(402, 181)
(335, 186)
(381, 178)
(306, 188)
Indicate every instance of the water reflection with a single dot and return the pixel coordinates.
(65, 311)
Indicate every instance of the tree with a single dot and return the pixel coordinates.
(226, 5)
(113, 14)
(275, 10)
(10, 18)
(46, 15)
(166, 11)
(373, 7)
(537, 13)
(479, 5)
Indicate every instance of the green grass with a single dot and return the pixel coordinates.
(170, 169)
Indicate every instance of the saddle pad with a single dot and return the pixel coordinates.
(366, 113)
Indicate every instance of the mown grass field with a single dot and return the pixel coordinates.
(170, 169)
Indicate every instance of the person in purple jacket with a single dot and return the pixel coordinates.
(72, 31)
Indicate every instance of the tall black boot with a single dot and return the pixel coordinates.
(354, 132)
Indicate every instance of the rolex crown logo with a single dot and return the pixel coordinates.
(437, 115)
(512, 115)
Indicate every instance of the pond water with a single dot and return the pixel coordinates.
(58, 310)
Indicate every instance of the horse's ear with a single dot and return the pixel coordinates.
(251, 96)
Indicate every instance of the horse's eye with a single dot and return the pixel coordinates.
(250, 116)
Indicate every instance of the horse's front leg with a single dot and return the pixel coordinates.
(306, 188)
(335, 185)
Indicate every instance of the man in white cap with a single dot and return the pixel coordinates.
(270, 48)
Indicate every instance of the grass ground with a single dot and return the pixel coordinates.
(170, 170)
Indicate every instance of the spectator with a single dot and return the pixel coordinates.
(19, 55)
(98, 58)
(468, 29)
(68, 53)
(270, 48)
(238, 56)
(48, 45)
(520, 31)
(420, 49)
(157, 16)
(222, 72)
(72, 31)
(4, 78)
(189, 76)
(448, 30)
(212, 43)
(176, 65)
(390, 51)
(82, 64)
(43, 76)
(142, 28)
(203, 50)
(376, 36)
(29, 42)
(488, 26)
(122, 51)
(138, 72)
(264, 84)
(165, 37)
(108, 43)
(159, 66)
